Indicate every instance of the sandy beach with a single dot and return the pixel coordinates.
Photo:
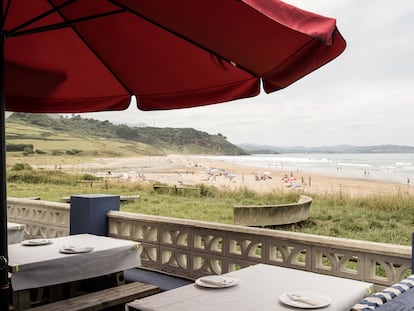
(191, 170)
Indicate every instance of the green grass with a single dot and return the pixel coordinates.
(52, 141)
(387, 218)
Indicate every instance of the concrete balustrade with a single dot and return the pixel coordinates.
(42, 218)
(190, 248)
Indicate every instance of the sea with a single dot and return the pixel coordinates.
(386, 167)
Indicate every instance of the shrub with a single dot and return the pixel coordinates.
(27, 178)
(89, 177)
(41, 176)
(18, 147)
(28, 150)
(21, 167)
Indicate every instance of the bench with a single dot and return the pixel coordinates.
(176, 190)
(164, 281)
(106, 298)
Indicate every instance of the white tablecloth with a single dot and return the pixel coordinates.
(15, 232)
(38, 266)
(259, 290)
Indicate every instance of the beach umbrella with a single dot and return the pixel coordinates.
(64, 56)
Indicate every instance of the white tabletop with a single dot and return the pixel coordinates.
(15, 232)
(38, 266)
(259, 289)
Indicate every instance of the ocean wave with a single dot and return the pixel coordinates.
(382, 167)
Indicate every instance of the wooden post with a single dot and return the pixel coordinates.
(4, 280)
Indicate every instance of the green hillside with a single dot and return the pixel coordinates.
(41, 134)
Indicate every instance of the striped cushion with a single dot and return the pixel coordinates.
(375, 300)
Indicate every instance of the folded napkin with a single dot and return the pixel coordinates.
(75, 249)
(309, 298)
(305, 299)
(217, 280)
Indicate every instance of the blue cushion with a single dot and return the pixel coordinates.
(384, 297)
(404, 302)
(164, 281)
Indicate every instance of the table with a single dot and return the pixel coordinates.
(41, 266)
(259, 289)
(15, 232)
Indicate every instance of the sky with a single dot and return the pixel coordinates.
(364, 97)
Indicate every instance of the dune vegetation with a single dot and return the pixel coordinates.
(386, 218)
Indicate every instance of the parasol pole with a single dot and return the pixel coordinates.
(4, 282)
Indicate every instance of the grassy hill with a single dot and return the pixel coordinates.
(41, 134)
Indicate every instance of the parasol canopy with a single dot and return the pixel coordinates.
(84, 56)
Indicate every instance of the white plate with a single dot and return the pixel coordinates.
(75, 249)
(216, 281)
(311, 300)
(36, 242)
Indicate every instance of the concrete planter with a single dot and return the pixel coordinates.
(270, 215)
